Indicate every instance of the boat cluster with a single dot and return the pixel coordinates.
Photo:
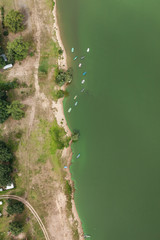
(83, 74)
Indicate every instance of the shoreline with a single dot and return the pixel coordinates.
(60, 117)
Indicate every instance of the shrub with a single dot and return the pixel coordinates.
(17, 50)
(5, 33)
(14, 21)
(15, 109)
(60, 51)
(15, 207)
(15, 228)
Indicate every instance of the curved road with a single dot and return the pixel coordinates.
(28, 205)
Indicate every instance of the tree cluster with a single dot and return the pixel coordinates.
(64, 76)
(6, 108)
(6, 158)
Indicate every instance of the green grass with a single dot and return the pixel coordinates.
(50, 4)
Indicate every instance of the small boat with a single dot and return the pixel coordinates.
(88, 49)
(82, 90)
(80, 65)
(76, 103)
(75, 58)
(78, 155)
(83, 81)
(75, 97)
(83, 57)
(69, 110)
(84, 73)
(72, 49)
(65, 167)
(87, 236)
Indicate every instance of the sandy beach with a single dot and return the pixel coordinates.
(60, 117)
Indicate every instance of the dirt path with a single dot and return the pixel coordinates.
(28, 205)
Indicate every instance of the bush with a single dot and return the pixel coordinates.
(15, 228)
(5, 154)
(60, 51)
(14, 21)
(15, 207)
(17, 50)
(60, 94)
(15, 110)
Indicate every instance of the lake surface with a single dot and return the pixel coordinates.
(117, 176)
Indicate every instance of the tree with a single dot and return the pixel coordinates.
(5, 86)
(15, 109)
(2, 62)
(5, 154)
(17, 50)
(5, 175)
(14, 21)
(15, 207)
(64, 76)
(4, 114)
(15, 228)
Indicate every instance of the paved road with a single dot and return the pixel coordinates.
(28, 205)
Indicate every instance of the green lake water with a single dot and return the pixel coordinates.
(117, 177)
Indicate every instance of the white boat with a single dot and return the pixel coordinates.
(76, 103)
(80, 65)
(75, 58)
(87, 236)
(69, 110)
(83, 81)
(75, 97)
(72, 49)
(82, 90)
(88, 49)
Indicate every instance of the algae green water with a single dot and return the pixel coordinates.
(117, 176)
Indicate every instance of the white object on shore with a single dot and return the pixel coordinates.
(83, 81)
(1, 189)
(75, 97)
(10, 186)
(88, 49)
(69, 110)
(76, 103)
(7, 66)
(80, 65)
(1, 202)
(72, 49)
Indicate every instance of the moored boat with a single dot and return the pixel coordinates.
(75, 58)
(76, 103)
(88, 49)
(78, 155)
(84, 73)
(80, 65)
(75, 97)
(72, 50)
(69, 110)
(83, 57)
(83, 81)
